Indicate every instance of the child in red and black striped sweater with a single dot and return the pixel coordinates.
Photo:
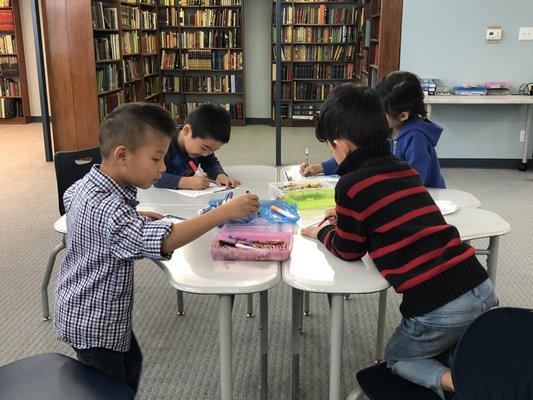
(383, 209)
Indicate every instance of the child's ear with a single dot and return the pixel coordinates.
(342, 146)
(187, 130)
(120, 154)
(404, 116)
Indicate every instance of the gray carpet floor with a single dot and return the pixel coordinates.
(181, 359)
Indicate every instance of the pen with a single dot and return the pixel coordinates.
(287, 176)
(204, 210)
(229, 195)
(306, 156)
(281, 212)
(170, 216)
(193, 166)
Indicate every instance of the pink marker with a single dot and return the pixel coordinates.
(193, 166)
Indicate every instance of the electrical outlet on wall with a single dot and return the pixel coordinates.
(525, 33)
(522, 136)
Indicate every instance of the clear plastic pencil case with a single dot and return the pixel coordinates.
(266, 213)
(308, 195)
(252, 243)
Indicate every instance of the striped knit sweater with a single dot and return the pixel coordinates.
(383, 209)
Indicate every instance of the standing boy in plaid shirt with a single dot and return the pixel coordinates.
(94, 295)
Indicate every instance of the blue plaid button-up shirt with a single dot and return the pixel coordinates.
(94, 294)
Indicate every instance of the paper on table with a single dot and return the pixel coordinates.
(213, 188)
(296, 176)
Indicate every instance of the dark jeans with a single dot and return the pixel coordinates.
(123, 366)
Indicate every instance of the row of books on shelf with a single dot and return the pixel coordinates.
(9, 66)
(323, 53)
(148, 43)
(152, 86)
(169, 39)
(323, 14)
(9, 87)
(202, 60)
(343, 34)
(151, 65)
(130, 17)
(10, 108)
(297, 111)
(216, 17)
(6, 21)
(106, 78)
(148, 20)
(312, 91)
(171, 84)
(108, 103)
(5, 3)
(316, 71)
(213, 84)
(181, 110)
(200, 3)
(107, 47)
(8, 44)
(104, 17)
(130, 42)
(132, 70)
(286, 91)
(224, 39)
(324, 71)
(170, 17)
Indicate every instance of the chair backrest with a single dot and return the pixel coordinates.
(494, 357)
(71, 166)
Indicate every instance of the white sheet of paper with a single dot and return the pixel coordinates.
(296, 176)
(213, 188)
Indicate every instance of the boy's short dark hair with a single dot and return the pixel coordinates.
(353, 113)
(210, 121)
(401, 91)
(127, 125)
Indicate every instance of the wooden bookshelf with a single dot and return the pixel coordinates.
(180, 27)
(324, 46)
(14, 99)
(380, 35)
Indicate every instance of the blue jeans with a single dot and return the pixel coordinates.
(410, 352)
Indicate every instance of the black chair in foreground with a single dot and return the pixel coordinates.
(492, 360)
(58, 377)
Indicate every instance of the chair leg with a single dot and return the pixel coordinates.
(47, 276)
(355, 394)
(263, 343)
(382, 310)
(249, 305)
(179, 298)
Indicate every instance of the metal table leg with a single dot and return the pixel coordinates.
(492, 258)
(295, 339)
(224, 320)
(306, 303)
(250, 305)
(336, 336)
(382, 310)
(263, 343)
(179, 297)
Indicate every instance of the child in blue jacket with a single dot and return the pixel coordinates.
(414, 136)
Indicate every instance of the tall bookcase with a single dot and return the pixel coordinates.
(202, 57)
(324, 44)
(14, 100)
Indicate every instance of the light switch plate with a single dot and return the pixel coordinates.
(494, 34)
(525, 33)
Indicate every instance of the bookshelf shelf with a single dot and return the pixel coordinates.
(216, 93)
(153, 96)
(109, 92)
(14, 99)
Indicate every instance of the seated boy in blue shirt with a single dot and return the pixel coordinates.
(206, 129)
(94, 294)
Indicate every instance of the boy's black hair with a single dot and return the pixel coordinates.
(401, 91)
(210, 121)
(127, 125)
(353, 113)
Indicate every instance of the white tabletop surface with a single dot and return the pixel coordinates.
(61, 224)
(459, 197)
(313, 268)
(510, 99)
(254, 178)
(475, 223)
(192, 270)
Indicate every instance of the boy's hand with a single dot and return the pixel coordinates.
(331, 215)
(194, 182)
(224, 180)
(311, 231)
(150, 214)
(241, 206)
(313, 169)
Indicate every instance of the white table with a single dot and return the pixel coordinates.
(489, 100)
(192, 270)
(254, 178)
(312, 268)
(475, 223)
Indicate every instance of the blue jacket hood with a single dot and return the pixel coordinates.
(430, 130)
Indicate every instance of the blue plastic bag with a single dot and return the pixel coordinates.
(265, 214)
